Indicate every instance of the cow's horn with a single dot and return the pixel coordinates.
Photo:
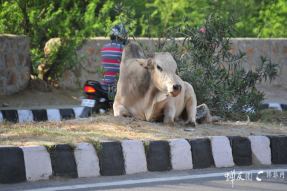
(150, 55)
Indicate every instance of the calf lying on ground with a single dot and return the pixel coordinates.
(149, 89)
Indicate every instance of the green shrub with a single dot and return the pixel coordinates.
(204, 60)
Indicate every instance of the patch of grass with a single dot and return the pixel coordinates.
(146, 145)
(274, 116)
(97, 145)
(53, 153)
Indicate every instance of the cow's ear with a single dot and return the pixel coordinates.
(142, 62)
(145, 63)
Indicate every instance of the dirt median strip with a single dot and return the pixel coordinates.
(108, 128)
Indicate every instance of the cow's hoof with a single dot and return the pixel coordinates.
(191, 123)
(176, 119)
(168, 120)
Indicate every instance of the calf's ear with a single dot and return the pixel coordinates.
(142, 62)
(145, 63)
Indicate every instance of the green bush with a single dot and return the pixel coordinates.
(204, 60)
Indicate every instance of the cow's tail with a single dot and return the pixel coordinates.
(207, 117)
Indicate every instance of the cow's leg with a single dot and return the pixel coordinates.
(120, 110)
(190, 105)
(169, 112)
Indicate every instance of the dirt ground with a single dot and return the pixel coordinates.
(107, 127)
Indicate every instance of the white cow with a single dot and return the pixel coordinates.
(149, 89)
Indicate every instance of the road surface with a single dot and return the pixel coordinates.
(261, 178)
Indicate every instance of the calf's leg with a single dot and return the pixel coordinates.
(120, 110)
(169, 112)
(190, 105)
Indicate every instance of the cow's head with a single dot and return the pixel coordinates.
(162, 68)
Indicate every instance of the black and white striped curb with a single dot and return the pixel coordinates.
(278, 106)
(33, 163)
(40, 114)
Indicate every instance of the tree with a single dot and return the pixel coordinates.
(273, 21)
(70, 20)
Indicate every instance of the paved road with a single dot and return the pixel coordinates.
(206, 179)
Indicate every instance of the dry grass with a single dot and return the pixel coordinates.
(107, 127)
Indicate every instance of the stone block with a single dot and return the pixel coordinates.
(261, 153)
(221, 151)
(276, 49)
(278, 145)
(241, 150)
(4, 73)
(25, 116)
(26, 75)
(12, 167)
(13, 79)
(158, 156)
(28, 62)
(10, 115)
(26, 47)
(53, 115)
(78, 111)
(67, 114)
(63, 161)
(13, 43)
(250, 52)
(5, 47)
(10, 61)
(2, 82)
(37, 162)
(2, 91)
(201, 153)
(87, 160)
(134, 155)
(180, 152)
(233, 50)
(21, 59)
(111, 159)
(91, 50)
(40, 115)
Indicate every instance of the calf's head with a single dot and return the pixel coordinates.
(162, 68)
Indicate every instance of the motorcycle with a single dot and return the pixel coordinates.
(96, 100)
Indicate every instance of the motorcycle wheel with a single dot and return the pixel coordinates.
(100, 108)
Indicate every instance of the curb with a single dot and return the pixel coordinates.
(33, 163)
(277, 106)
(37, 115)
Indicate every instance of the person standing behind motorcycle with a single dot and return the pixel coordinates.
(111, 56)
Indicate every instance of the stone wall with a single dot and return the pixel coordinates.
(92, 51)
(275, 49)
(15, 63)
